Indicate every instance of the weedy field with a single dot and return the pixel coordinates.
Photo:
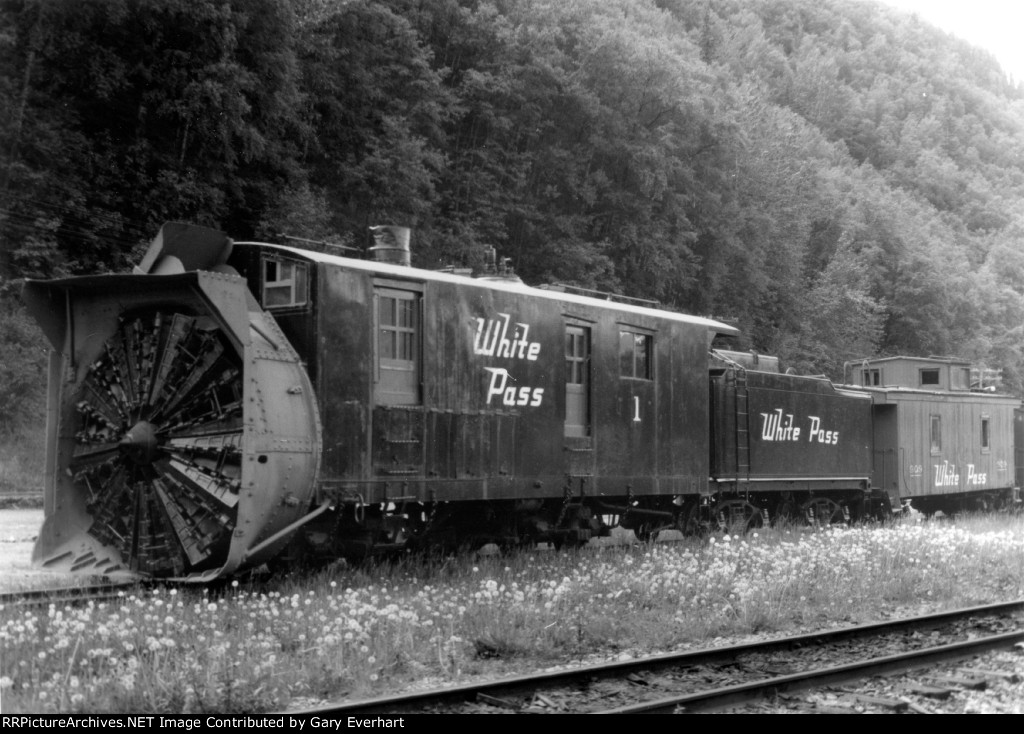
(356, 632)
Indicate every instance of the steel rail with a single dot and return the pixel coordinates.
(746, 692)
(68, 594)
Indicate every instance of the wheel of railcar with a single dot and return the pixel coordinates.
(858, 510)
(822, 512)
(737, 517)
(690, 522)
(159, 444)
(883, 511)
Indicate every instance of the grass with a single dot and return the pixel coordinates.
(357, 632)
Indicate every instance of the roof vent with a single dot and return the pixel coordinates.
(391, 244)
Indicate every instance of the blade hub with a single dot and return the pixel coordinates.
(140, 444)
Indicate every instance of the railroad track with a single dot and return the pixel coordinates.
(724, 677)
(829, 676)
(65, 595)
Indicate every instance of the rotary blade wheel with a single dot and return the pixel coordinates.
(159, 448)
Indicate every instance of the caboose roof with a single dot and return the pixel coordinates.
(419, 274)
(928, 360)
(893, 393)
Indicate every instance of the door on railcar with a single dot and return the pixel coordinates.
(287, 289)
(577, 381)
(397, 346)
(885, 454)
(1018, 447)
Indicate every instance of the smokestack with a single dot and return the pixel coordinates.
(391, 244)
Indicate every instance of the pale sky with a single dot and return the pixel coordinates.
(994, 25)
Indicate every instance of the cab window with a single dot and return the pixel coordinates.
(285, 283)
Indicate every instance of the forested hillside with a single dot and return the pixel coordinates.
(841, 179)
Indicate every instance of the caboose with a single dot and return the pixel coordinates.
(937, 442)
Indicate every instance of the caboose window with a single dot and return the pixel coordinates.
(985, 433)
(284, 283)
(398, 345)
(872, 377)
(929, 377)
(936, 434)
(635, 355)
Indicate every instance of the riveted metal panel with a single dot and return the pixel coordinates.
(233, 435)
(769, 426)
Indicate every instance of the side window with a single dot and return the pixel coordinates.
(285, 283)
(929, 377)
(635, 355)
(397, 348)
(936, 437)
(985, 444)
(871, 377)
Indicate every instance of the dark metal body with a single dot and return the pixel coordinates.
(781, 432)
(234, 404)
(461, 441)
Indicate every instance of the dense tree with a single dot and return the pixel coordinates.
(132, 113)
(838, 177)
(376, 110)
(22, 371)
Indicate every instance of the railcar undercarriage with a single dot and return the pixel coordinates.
(954, 504)
(355, 531)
